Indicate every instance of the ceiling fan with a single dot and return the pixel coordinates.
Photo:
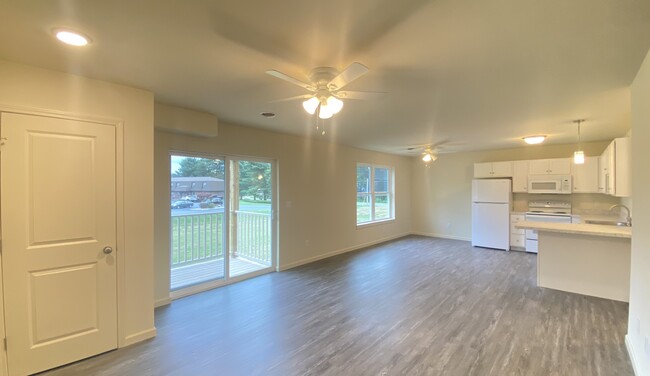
(430, 152)
(325, 85)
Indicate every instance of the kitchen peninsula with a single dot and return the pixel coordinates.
(584, 258)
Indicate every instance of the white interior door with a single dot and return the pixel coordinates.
(58, 215)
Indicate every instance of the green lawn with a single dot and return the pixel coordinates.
(382, 211)
(196, 237)
(255, 206)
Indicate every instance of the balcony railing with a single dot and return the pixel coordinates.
(198, 238)
(253, 240)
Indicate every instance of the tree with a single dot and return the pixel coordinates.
(200, 167)
(255, 180)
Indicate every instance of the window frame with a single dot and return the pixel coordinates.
(372, 195)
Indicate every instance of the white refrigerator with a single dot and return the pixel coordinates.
(491, 204)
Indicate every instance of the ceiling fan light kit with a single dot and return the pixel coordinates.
(310, 105)
(325, 85)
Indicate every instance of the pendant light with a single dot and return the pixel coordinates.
(579, 155)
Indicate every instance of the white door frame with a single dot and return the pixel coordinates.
(209, 285)
(119, 196)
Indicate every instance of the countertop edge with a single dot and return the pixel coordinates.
(578, 228)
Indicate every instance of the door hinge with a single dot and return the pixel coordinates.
(0, 246)
(5, 342)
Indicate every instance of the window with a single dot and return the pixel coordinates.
(374, 193)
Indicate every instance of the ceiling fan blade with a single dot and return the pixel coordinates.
(290, 79)
(349, 74)
(304, 96)
(359, 94)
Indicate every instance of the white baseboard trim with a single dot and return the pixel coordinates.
(139, 337)
(162, 302)
(442, 236)
(339, 251)
(630, 352)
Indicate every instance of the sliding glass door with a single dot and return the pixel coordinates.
(251, 216)
(222, 224)
(198, 223)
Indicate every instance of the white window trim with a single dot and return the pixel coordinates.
(372, 193)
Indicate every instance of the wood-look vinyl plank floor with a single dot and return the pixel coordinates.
(415, 306)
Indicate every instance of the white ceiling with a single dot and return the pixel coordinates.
(479, 74)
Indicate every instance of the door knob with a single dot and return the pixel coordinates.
(107, 250)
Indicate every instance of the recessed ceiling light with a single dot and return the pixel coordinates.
(268, 114)
(72, 38)
(532, 140)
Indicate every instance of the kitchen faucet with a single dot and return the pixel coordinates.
(628, 219)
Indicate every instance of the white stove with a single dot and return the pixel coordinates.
(545, 211)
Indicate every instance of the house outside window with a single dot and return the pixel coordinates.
(375, 193)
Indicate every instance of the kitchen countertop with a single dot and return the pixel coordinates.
(578, 228)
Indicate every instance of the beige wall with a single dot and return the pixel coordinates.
(441, 192)
(24, 86)
(639, 323)
(317, 201)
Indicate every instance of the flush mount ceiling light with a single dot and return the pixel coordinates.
(533, 140)
(579, 155)
(72, 38)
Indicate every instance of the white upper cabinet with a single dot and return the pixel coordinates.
(614, 175)
(482, 170)
(607, 174)
(622, 184)
(493, 170)
(520, 176)
(603, 167)
(557, 166)
(586, 176)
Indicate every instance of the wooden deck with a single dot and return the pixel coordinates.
(210, 270)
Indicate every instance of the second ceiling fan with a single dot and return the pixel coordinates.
(325, 85)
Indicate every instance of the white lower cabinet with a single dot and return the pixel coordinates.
(517, 236)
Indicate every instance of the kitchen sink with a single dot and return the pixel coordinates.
(607, 223)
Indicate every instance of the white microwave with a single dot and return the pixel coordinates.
(549, 184)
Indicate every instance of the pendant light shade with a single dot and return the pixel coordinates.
(579, 155)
